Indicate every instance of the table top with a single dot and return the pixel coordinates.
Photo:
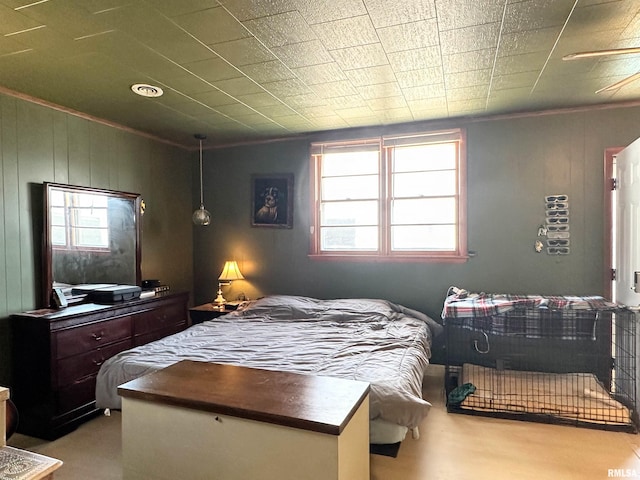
(308, 402)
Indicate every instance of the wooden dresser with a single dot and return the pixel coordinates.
(57, 355)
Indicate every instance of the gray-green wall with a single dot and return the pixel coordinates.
(39, 144)
(512, 164)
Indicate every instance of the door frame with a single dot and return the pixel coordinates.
(609, 155)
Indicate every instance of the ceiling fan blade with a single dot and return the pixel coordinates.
(601, 53)
(620, 84)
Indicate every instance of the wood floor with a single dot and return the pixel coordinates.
(451, 446)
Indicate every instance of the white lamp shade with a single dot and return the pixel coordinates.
(231, 271)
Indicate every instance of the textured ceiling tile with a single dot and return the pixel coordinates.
(334, 89)
(385, 13)
(192, 108)
(526, 62)
(213, 69)
(303, 54)
(360, 57)
(424, 92)
(295, 123)
(314, 113)
(469, 38)
(423, 107)
(467, 79)
(475, 60)
(306, 100)
(395, 114)
(528, 42)
(9, 46)
(186, 84)
(380, 90)
(456, 14)
(415, 59)
(315, 74)
(214, 25)
(214, 98)
(370, 75)
(62, 16)
(416, 78)
(601, 17)
(45, 39)
(469, 93)
(238, 86)
(535, 14)
(171, 8)
(417, 34)
(355, 112)
(272, 71)
(384, 103)
(330, 122)
(282, 29)
(243, 52)
(235, 109)
(256, 100)
(351, 101)
(466, 106)
(315, 11)
(592, 41)
(275, 111)
(255, 120)
(287, 88)
(248, 9)
(348, 32)
(515, 80)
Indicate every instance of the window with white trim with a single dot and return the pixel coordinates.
(79, 221)
(395, 197)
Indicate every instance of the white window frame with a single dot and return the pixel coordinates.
(385, 146)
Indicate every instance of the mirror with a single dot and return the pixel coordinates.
(91, 236)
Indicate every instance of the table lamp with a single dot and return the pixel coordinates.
(230, 272)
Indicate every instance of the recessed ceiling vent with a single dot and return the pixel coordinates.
(145, 90)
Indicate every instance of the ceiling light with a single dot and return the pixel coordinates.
(146, 90)
(201, 216)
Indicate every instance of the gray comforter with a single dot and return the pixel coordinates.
(375, 341)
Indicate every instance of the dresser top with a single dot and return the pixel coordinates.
(320, 404)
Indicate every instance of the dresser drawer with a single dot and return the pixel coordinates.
(88, 337)
(159, 319)
(73, 368)
(75, 395)
(157, 334)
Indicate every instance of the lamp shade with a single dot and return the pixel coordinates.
(231, 271)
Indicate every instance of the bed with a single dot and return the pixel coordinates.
(377, 341)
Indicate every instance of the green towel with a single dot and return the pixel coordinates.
(458, 394)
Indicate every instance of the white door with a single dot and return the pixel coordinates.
(627, 225)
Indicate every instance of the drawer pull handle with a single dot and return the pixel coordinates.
(97, 363)
(97, 336)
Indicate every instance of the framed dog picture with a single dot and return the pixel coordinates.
(272, 200)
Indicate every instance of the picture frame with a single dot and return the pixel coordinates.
(272, 200)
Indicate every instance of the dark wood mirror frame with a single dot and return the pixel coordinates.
(132, 200)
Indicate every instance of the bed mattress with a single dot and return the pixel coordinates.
(572, 396)
(385, 344)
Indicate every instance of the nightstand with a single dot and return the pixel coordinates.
(206, 311)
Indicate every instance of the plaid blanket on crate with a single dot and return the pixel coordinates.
(531, 316)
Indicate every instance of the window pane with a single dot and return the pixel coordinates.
(91, 237)
(349, 238)
(425, 184)
(58, 235)
(423, 210)
(349, 163)
(439, 156)
(90, 217)
(423, 237)
(349, 213)
(343, 188)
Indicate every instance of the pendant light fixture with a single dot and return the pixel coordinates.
(201, 216)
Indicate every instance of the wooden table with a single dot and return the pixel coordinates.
(201, 420)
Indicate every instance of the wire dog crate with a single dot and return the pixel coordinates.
(574, 366)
